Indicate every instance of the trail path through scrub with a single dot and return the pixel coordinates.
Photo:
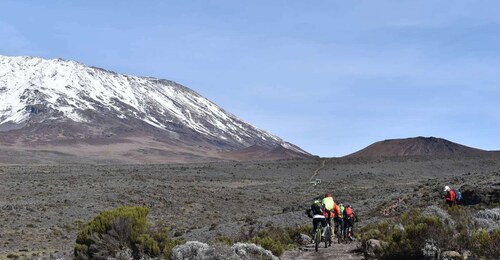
(317, 170)
(335, 252)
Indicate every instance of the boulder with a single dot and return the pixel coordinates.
(195, 250)
(472, 195)
(467, 255)
(303, 239)
(450, 255)
(374, 249)
(192, 250)
(430, 250)
(252, 251)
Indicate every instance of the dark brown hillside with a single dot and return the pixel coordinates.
(256, 152)
(417, 146)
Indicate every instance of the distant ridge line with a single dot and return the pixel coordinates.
(418, 146)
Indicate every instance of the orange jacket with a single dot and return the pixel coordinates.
(334, 212)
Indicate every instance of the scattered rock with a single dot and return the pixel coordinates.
(374, 249)
(399, 226)
(303, 239)
(430, 250)
(191, 250)
(197, 251)
(123, 255)
(467, 255)
(450, 255)
(252, 251)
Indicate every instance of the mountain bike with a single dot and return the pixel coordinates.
(339, 231)
(317, 236)
(348, 231)
(328, 236)
(348, 234)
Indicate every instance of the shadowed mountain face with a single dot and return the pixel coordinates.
(417, 146)
(73, 109)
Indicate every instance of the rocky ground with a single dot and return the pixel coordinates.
(42, 207)
(336, 251)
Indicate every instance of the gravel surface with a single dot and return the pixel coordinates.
(42, 207)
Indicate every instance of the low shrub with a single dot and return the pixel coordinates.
(453, 229)
(225, 240)
(274, 239)
(487, 244)
(102, 223)
(275, 246)
(407, 238)
(123, 229)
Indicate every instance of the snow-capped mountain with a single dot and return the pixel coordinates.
(52, 101)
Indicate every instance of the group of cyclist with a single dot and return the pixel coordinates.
(324, 209)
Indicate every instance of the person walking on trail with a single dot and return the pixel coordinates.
(316, 213)
(450, 196)
(349, 219)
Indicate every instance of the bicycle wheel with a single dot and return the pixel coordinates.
(317, 238)
(328, 237)
(349, 234)
(336, 232)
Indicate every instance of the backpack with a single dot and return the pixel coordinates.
(316, 209)
(309, 213)
(348, 212)
(458, 195)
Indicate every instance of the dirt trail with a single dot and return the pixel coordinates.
(317, 170)
(336, 251)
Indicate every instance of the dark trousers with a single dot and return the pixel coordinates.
(316, 222)
(349, 223)
(339, 224)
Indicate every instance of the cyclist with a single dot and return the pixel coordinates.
(316, 211)
(349, 219)
(339, 218)
(329, 206)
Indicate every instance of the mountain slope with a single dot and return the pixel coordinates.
(65, 103)
(417, 146)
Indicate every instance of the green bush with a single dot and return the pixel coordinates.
(103, 222)
(295, 232)
(406, 236)
(484, 243)
(224, 240)
(122, 228)
(148, 245)
(270, 244)
(274, 239)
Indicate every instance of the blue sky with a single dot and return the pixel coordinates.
(329, 76)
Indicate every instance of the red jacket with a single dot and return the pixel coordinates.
(450, 195)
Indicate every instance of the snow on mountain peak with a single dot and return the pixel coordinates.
(70, 90)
